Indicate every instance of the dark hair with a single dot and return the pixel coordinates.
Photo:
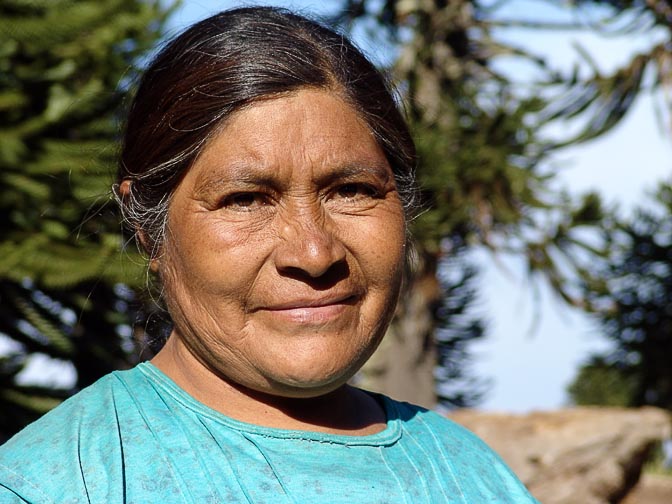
(220, 65)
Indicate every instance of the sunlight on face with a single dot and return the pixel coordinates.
(284, 253)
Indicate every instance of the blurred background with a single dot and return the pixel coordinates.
(542, 276)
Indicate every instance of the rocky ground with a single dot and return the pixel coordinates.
(579, 455)
(651, 489)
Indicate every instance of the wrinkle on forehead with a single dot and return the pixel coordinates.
(292, 143)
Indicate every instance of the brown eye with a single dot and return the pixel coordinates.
(352, 191)
(244, 201)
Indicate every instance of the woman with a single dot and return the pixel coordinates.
(267, 174)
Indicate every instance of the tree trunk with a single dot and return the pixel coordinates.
(403, 366)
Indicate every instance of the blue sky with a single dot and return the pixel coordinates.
(532, 365)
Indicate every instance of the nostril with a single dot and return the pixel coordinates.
(307, 250)
(335, 273)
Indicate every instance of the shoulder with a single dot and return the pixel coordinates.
(422, 422)
(54, 446)
(481, 473)
(84, 407)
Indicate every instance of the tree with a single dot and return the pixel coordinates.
(483, 181)
(66, 69)
(601, 383)
(635, 303)
(601, 100)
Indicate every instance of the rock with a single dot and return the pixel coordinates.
(578, 455)
(651, 489)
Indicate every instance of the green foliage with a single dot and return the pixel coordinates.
(64, 72)
(632, 290)
(635, 303)
(600, 383)
(602, 100)
(456, 328)
(474, 173)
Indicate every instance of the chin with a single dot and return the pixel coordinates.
(309, 383)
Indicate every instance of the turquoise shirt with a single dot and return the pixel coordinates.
(136, 437)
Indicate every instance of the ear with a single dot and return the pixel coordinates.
(125, 192)
(125, 188)
(154, 264)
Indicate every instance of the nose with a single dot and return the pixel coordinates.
(309, 245)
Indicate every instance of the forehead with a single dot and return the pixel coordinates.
(311, 129)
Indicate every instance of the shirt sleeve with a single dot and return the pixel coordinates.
(15, 489)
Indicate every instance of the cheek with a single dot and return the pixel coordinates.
(209, 251)
(379, 248)
(388, 237)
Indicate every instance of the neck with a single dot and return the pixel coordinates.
(345, 410)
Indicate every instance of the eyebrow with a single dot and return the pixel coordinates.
(241, 173)
(246, 173)
(381, 171)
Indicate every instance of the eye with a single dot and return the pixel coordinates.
(355, 191)
(245, 201)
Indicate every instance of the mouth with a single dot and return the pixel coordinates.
(314, 302)
(312, 310)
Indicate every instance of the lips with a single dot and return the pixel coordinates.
(312, 310)
(313, 302)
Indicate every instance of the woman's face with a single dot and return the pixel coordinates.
(285, 243)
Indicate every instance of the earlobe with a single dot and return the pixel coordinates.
(125, 188)
(144, 244)
(153, 251)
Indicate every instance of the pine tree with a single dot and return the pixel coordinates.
(65, 69)
(635, 302)
(601, 100)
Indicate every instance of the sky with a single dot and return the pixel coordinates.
(535, 342)
(532, 364)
